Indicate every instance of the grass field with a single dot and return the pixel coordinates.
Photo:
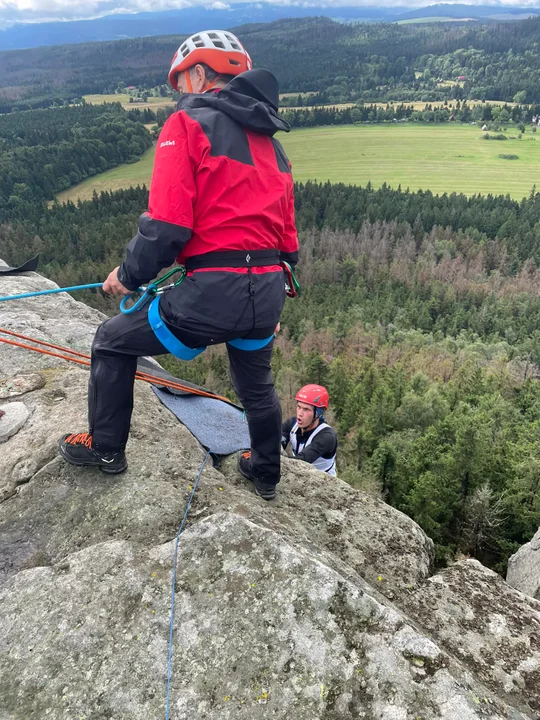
(440, 158)
(123, 176)
(293, 94)
(123, 99)
(153, 102)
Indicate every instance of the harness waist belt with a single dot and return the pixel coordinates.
(234, 259)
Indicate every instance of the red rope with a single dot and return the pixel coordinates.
(143, 376)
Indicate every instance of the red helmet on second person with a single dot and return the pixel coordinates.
(315, 395)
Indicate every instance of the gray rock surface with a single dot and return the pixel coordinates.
(58, 319)
(12, 417)
(475, 616)
(524, 568)
(146, 502)
(263, 630)
(319, 605)
(20, 384)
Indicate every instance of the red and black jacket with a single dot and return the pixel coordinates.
(221, 182)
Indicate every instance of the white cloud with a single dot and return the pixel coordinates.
(48, 10)
(12, 11)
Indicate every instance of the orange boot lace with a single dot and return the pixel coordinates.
(80, 439)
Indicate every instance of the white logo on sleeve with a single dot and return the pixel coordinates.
(167, 143)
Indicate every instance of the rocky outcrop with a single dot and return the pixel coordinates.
(494, 630)
(524, 568)
(320, 605)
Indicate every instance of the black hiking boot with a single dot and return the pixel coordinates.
(76, 449)
(267, 491)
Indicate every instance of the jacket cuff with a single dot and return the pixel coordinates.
(126, 281)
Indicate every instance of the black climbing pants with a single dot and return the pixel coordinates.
(121, 340)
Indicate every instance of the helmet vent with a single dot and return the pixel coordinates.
(219, 44)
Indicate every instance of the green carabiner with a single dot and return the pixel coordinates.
(181, 269)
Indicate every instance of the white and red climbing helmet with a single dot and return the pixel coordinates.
(219, 49)
(315, 395)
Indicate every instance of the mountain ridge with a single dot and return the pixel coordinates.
(19, 35)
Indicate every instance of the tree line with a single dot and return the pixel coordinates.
(460, 112)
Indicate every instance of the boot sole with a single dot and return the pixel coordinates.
(104, 468)
(251, 480)
(264, 497)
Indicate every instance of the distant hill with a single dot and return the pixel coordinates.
(181, 22)
(339, 62)
(192, 19)
(460, 11)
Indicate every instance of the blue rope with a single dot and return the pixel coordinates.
(173, 592)
(51, 292)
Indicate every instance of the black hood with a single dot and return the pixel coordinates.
(251, 99)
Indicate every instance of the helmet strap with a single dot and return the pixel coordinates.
(316, 418)
(207, 87)
(319, 413)
(211, 85)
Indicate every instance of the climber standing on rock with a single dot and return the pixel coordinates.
(221, 204)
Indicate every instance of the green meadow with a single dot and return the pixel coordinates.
(441, 158)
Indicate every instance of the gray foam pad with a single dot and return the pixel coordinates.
(218, 426)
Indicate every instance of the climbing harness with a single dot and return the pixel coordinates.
(173, 586)
(152, 292)
(154, 289)
(177, 348)
(327, 465)
(226, 259)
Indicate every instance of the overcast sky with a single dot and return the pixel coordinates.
(44, 10)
